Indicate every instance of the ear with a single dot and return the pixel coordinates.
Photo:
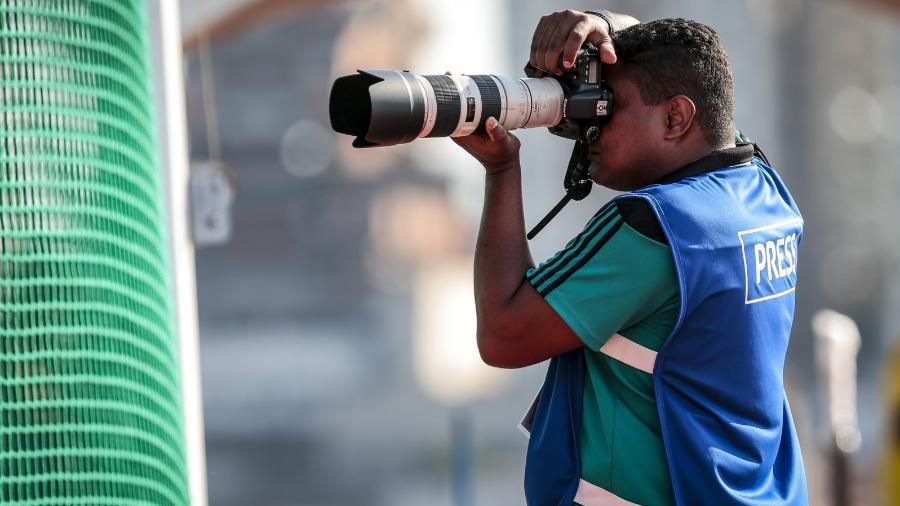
(679, 117)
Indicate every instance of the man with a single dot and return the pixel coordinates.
(667, 319)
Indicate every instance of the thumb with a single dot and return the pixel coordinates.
(495, 130)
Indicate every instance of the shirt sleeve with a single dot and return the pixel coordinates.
(607, 278)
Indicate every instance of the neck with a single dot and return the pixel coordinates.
(685, 154)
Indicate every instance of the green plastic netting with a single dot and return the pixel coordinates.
(89, 387)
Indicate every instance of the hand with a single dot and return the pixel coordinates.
(496, 149)
(560, 35)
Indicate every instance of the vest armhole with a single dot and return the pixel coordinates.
(638, 214)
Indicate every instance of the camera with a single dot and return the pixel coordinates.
(388, 107)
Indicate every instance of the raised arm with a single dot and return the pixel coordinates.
(516, 326)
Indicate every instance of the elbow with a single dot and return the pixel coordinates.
(491, 354)
(494, 346)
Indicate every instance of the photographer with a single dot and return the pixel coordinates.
(667, 318)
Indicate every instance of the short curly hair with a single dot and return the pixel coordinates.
(670, 57)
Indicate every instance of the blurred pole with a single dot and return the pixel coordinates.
(182, 249)
(837, 344)
(462, 439)
(840, 476)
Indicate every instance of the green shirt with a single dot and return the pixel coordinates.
(617, 276)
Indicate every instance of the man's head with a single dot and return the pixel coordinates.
(674, 102)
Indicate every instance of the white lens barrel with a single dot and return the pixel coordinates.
(524, 103)
(470, 106)
(430, 106)
(530, 103)
(388, 107)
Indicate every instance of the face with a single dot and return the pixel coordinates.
(626, 153)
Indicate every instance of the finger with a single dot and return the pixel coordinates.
(495, 130)
(536, 41)
(554, 50)
(539, 59)
(532, 71)
(463, 142)
(574, 42)
(469, 142)
(605, 45)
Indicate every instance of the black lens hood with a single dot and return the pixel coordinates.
(378, 107)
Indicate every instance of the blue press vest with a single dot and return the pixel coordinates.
(725, 422)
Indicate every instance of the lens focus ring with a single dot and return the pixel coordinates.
(448, 105)
(490, 99)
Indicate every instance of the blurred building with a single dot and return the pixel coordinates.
(308, 313)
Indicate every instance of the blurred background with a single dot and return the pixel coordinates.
(336, 319)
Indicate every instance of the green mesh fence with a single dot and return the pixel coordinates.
(89, 387)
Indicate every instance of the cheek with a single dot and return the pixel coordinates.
(617, 142)
(636, 135)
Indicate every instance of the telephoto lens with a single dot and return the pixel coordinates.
(387, 107)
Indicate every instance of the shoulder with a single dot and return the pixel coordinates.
(624, 237)
(611, 275)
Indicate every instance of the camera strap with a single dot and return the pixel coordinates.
(577, 182)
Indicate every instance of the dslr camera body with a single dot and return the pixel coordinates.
(587, 101)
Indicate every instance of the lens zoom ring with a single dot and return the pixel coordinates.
(490, 99)
(448, 106)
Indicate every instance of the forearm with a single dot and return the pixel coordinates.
(501, 252)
